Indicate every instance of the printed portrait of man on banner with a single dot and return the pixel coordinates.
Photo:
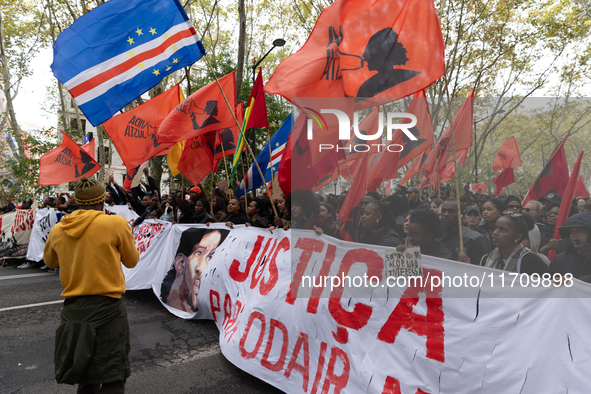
(180, 286)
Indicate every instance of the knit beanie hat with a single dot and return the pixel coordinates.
(89, 192)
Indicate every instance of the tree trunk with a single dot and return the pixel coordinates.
(241, 46)
(6, 86)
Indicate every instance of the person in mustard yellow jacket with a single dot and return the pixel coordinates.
(92, 341)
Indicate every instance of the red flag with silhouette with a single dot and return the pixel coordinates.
(129, 175)
(203, 111)
(134, 132)
(554, 175)
(581, 189)
(566, 203)
(65, 163)
(390, 162)
(226, 140)
(462, 133)
(507, 155)
(504, 179)
(479, 188)
(89, 148)
(348, 215)
(354, 51)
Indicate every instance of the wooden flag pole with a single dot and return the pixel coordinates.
(225, 164)
(436, 171)
(453, 141)
(241, 133)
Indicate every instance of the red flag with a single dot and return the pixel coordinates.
(416, 168)
(229, 137)
(462, 129)
(257, 105)
(357, 190)
(581, 189)
(479, 187)
(505, 178)
(567, 199)
(203, 111)
(389, 163)
(89, 148)
(352, 40)
(129, 175)
(134, 133)
(67, 162)
(508, 155)
(450, 169)
(554, 176)
(197, 158)
(298, 156)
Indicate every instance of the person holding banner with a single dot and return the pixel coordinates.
(475, 245)
(92, 341)
(509, 255)
(377, 226)
(425, 229)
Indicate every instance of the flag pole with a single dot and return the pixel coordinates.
(225, 164)
(241, 133)
(244, 175)
(436, 170)
(453, 141)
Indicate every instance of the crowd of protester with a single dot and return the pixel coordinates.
(497, 232)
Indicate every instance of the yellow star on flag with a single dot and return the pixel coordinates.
(174, 47)
(174, 60)
(168, 68)
(130, 41)
(156, 72)
(139, 32)
(165, 36)
(131, 54)
(152, 30)
(277, 144)
(141, 66)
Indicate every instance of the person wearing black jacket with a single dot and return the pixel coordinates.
(509, 254)
(377, 226)
(201, 212)
(425, 229)
(235, 213)
(576, 260)
(475, 245)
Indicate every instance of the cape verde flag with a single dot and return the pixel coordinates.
(278, 141)
(116, 52)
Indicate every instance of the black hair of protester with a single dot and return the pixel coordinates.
(429, 220)
(307, 200)
(497, 203)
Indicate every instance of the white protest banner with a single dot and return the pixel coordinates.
(16, 232)
(129, 214)
(45, 219)
(149, 238)
(308, 334)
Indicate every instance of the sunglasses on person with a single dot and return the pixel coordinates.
(527, 210)
(514, 206)
(552, 213)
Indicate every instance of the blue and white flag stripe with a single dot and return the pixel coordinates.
(278, 142)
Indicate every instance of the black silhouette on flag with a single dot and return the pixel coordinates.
(227, 141)
(382, 53)
(86, 162)
(211, 110)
